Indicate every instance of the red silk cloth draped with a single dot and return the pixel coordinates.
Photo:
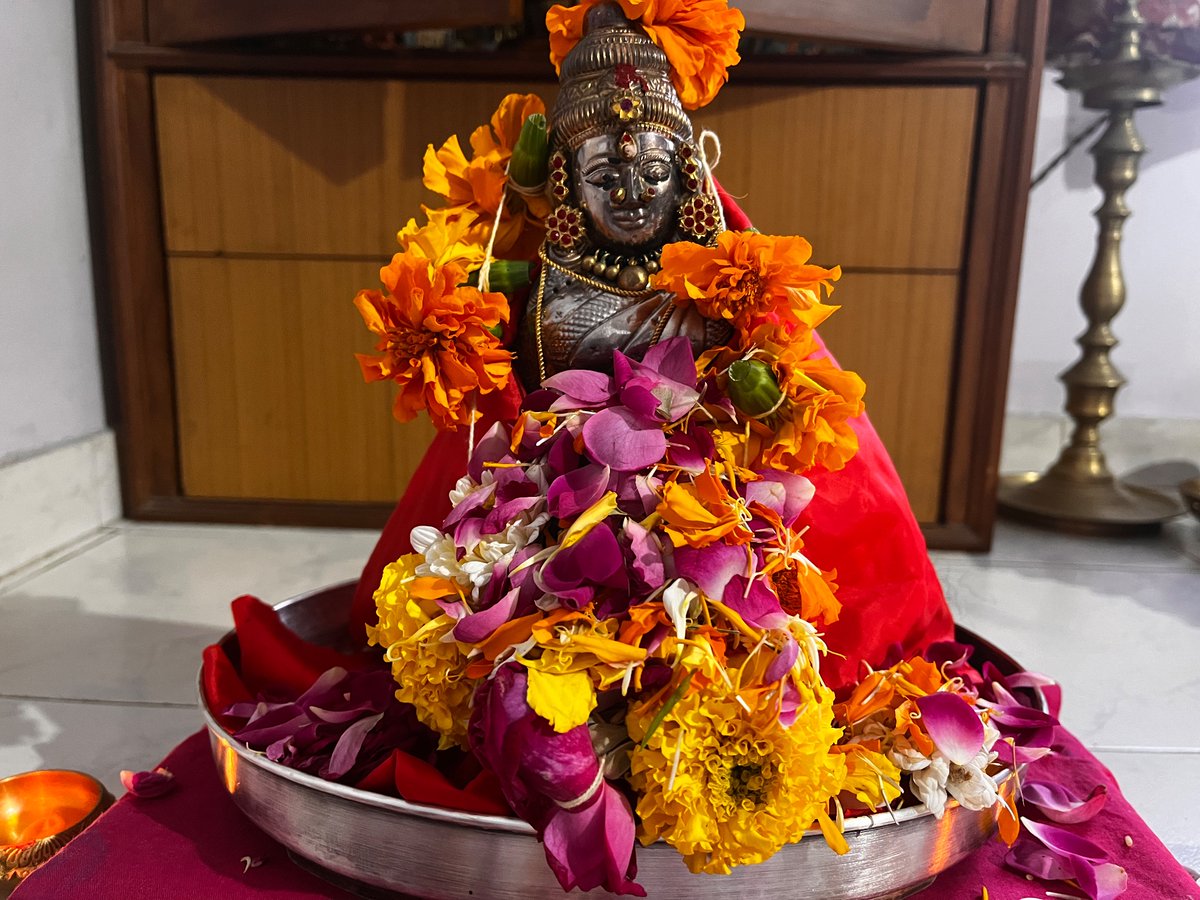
(861, 526)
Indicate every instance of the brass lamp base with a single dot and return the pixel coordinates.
(1098, 507)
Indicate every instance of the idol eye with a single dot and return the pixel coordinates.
(656, 172)
(607, 179)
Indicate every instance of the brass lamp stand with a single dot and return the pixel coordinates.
(1079, 493)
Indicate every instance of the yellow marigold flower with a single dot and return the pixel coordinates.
(747, 279)
(429, 669)
(437, 339)
(700, 38)
(727, 787)
(444, 240)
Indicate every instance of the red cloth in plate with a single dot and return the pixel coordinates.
(862, 526)
(190, 845)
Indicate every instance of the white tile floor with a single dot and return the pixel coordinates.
(99, 648)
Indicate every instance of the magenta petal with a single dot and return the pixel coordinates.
(580, 389)
(783, 492)
(577, 490)
(592, 846)
(711, 568)
(474, 628)
(1084, 861)
(145, 785)
(646, 562)
(673, 359)
(758, 606)
(953, 726)
(492, 446)
(345, 752)
(782, 663)
(1031, 858)
(1056, 802)
(617, 438)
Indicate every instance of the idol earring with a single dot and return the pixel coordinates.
(564, 228)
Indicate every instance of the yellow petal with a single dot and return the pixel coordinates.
(589, 519)
(833, 835)
(565, 701)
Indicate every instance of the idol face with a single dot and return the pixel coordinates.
(630, 188)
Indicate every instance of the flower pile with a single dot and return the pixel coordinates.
(619, 620)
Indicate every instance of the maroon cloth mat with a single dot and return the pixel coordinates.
(192, 842)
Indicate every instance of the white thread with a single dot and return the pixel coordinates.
(586, 795)
(710, 185)
(485, 270)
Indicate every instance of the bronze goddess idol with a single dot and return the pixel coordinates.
(626, 177)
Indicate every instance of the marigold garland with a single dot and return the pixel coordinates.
(700, 38)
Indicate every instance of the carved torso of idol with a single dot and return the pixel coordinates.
(594, 296)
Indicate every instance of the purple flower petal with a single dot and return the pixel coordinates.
(645, 558)
(580, 389)
(574, 574)
(146, 785)
(783, 492)
(640, 400)
(345, 752)
(1031, 858)
(492, 446)
(673, 359)
(1082, 860)
(547, 778)
(474, 628)
(784, 661)
(617, 438)
(577, 490)
(711, 568)
(759, 606)
(953, 725)
(592, 846)
(1058, 803)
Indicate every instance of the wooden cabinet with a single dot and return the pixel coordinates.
(248, 196)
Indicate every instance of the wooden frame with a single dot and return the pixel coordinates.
(947, 25)
(133, 292)
(192, 21)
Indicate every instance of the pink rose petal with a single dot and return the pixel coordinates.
(617, 438)
(953, 725)
(1056, 802)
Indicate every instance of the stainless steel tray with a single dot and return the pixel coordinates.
(366, 839)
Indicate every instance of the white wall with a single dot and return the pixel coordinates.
(1159, 328)
(50, 388)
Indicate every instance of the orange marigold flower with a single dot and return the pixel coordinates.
(813, 428)
(436, 338)
(699, 512)
(473, 188)
(747, 279)
(700, 38)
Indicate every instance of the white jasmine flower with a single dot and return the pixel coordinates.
(677, 600)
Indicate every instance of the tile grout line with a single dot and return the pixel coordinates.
(1181, 751)
(101, 535)
(93, 701)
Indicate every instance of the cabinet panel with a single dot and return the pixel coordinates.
(271, 402)
(326, 167)
(897, 331)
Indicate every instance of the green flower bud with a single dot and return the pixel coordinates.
(752, 387)
(505, 276)
(528, 166)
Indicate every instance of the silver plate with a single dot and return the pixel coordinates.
(439, 854)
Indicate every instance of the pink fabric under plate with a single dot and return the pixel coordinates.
(190, 845)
